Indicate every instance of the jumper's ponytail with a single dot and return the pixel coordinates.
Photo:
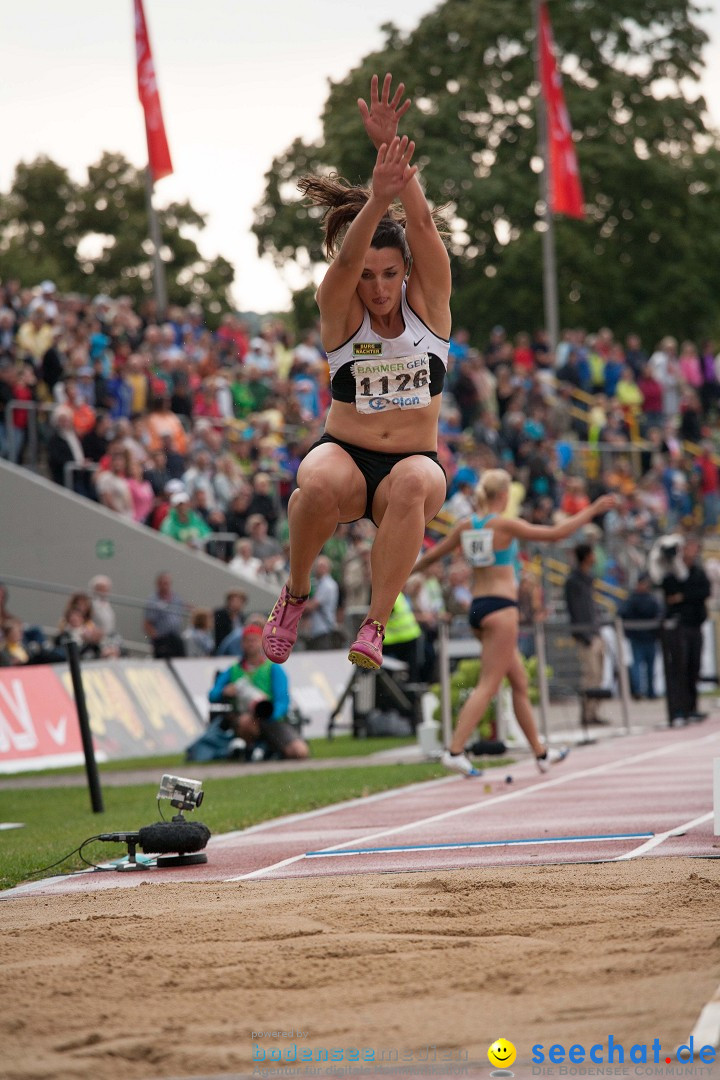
(343, 202)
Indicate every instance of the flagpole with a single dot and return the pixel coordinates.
(159, 279)
(550, 290)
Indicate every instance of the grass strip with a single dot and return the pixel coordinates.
(338, 747)
(57, 820)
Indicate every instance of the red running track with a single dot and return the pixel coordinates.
(654, 790)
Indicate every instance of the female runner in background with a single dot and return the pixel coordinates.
(489, 542)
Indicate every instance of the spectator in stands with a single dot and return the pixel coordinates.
(164, 427)
(584, 614)
(228, 483)
(183, 523)
(263, 546)
(12, 650)
(260, 725)
(463, 484)
(35, 336)
(686, 602)
(7, 392)
(322, 628)
(164, 619)
(666, 369)
(77, 625)
(175, 461)
(112, 484)
(200, 476)
(24, 390)
(264, 502)
(642, 606)
(710, 389)
(198, 637)
(97, 440)
(709, 485)
(244, 563)
(156, 472)
(65, 447)
(228, 621)
(103, 615)
(635, 355)
(575, 498)
(141, 492)
(691, 418)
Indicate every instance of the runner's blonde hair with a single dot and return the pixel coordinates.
(493, 482)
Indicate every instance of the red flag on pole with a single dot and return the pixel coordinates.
(158, 150)
(566, 195)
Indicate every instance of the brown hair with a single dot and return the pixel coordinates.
(343, 202)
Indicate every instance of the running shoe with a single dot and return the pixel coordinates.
(553, 756)
(366, 650)
(459, 763)
(281, 629)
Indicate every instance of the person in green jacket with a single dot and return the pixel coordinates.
(260, 708)
(182, 523)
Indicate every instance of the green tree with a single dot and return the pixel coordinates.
(93, 237)
(649, 165)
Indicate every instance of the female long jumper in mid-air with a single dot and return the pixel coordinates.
(386, 333)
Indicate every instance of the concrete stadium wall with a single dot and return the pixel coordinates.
(50, 535)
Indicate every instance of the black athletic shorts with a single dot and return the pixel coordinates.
(374, 464)
(482, 606)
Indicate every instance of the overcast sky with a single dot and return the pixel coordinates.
(238, 82)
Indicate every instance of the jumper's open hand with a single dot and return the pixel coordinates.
(393, 170)
(382, 118)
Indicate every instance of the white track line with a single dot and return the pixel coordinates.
(707, 1029)
(306, 815)
(678, 830)
(539, 787)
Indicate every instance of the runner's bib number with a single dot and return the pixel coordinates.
(477, 545)
(400, 382)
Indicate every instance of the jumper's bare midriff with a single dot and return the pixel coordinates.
(397, 431)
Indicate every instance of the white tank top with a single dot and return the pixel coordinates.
(378, 373)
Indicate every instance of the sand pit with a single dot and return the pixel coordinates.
(172, 980)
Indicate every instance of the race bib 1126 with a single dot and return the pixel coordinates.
(400, 382)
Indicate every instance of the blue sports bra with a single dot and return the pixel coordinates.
(509, 556)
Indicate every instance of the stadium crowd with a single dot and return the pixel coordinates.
(199, 434)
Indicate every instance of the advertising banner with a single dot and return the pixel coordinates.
(38, 721)
(136, 709)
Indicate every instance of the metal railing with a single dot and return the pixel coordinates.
(213, 544)
(558, 668)
(11, 451)
(72, 467)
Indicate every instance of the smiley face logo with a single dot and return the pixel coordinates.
(502, 1053)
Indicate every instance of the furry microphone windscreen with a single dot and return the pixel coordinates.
(173, 836)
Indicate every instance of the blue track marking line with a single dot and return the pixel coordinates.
(480, 844)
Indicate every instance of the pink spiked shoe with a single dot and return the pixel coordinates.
(281, 629)
(366, 650)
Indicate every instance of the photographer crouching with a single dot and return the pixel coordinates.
(675, 565)
(259, 716)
